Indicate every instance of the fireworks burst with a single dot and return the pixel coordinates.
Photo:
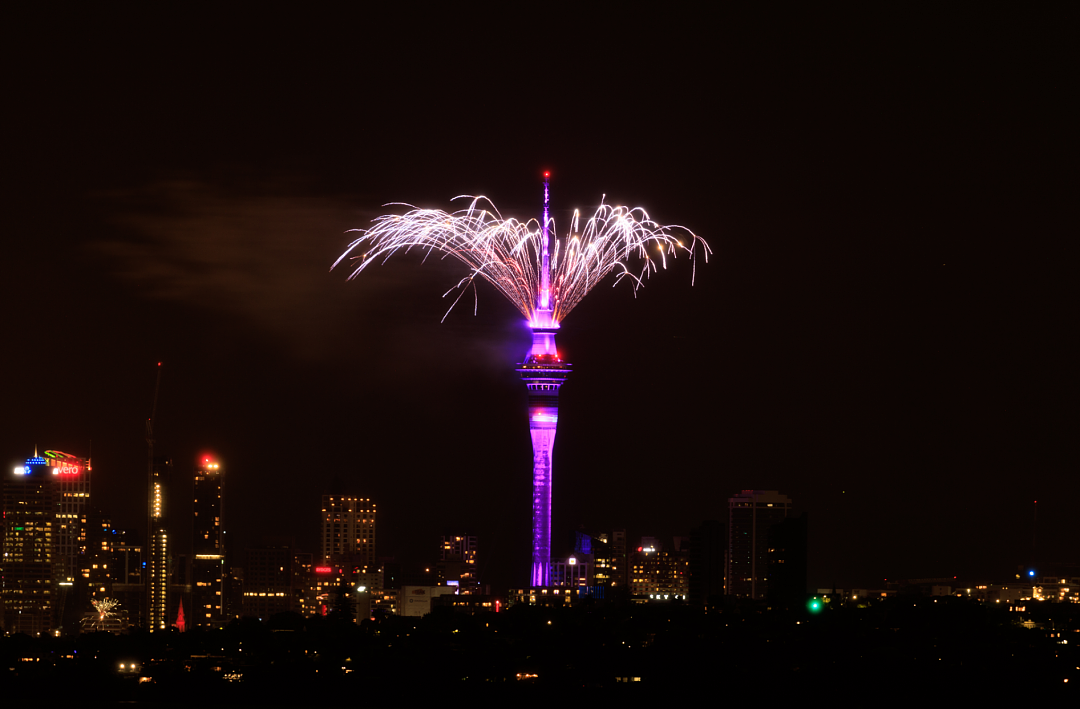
(104, 609)
(512, 255)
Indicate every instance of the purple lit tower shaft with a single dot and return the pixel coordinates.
(543, 373)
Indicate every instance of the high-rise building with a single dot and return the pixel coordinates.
(63, 482)
(71, 478)
(28, 591)
(348, 532)
(274, 579)
(208, 549)
(656, 571)
(787, 562)
(751, 514)
(457, 563)
(610, 560)
(707, 544)
(159, 560)
(71, 481)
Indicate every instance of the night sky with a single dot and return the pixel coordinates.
(885, 331)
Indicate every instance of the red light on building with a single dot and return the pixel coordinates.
(324, 569)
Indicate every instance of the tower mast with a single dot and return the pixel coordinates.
(543, 372)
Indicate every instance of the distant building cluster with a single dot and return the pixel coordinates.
(66, 569)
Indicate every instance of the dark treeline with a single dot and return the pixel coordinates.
(914, 647)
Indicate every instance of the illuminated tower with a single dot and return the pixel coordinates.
(157, 567)
(208, 566)
(543, 372)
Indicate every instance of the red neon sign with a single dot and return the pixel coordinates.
(64, 469)
(324, 569)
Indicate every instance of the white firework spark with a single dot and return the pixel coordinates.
(508, 253)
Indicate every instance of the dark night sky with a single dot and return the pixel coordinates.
(885, 331)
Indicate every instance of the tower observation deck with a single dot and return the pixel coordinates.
(543, 372)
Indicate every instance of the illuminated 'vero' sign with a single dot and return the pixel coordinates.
(65, 469)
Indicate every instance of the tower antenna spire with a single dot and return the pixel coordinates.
(543, 372)
(544, 304)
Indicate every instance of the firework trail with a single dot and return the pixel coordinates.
(511, 255)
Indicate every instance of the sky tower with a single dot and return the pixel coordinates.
(543, 372)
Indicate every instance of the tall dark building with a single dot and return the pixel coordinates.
(274, 579)
(207, 548)
(750, 515)
(787, 562)
(457, 562)
(610, 561)
(707, 544)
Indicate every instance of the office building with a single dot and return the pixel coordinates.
(658, 571)
(208, 549)
(610, 562)
(751, 514)
(71, 480)
(787, 562)
(348, 532)
(29, 592)
(457, 563)
(707, 544)
(276, 580)
(159, 559)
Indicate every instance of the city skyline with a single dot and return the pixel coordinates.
(883, 332)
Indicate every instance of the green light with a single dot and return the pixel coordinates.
(813, 605)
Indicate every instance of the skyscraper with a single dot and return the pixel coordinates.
(71, 480)
(29, 526)
(707, 544)
(457, 562)
(208, 564)
(787, 562)
(750, 515)
(348, 531)
(157, 566)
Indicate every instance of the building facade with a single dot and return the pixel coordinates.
(348, 531)
(208, 548)
(751, 514)
(28, 591)
(158, 560)
(457, 562)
